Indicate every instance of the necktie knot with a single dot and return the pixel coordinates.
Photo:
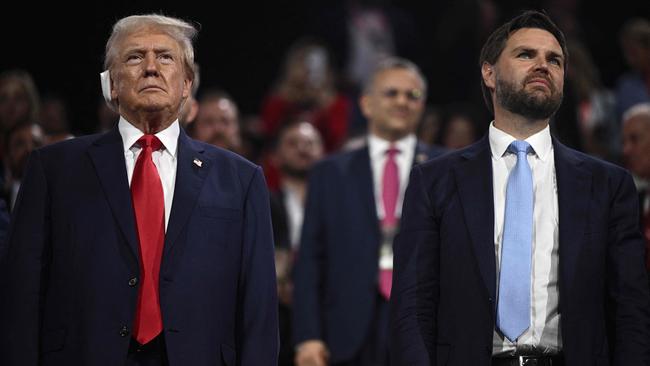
(151, 141)
(392, 151)
(519, 147)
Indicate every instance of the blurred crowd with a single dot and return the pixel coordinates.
(313, 111)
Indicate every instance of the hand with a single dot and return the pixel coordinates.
(312, 353)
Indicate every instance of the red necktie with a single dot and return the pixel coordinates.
(149, 206)
(389, 193)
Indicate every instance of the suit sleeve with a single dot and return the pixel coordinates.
(627, 279)
(414, 297)
(4, 227)
(24, 273)
(258, 306)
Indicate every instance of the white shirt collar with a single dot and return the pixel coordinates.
(131, 134)
(499, 141)
(377, 146)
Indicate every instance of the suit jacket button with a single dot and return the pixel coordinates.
(133, 281)
(124, 331)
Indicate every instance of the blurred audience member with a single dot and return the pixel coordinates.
(252, 138)
(54, 119)
(343, 272)
(107, 118)
(298, 147)
(587, 117)
(19, 104)
(217, 121)
(360, 34)
(429, 126)
(459, 126)
(20, 141)
(636, 154)
(19, 100)
(633, 87)
(371, 37)
(306, 90)
(190, 108)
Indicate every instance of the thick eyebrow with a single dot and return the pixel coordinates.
(143, 49)
(549, 54)
(553, 54)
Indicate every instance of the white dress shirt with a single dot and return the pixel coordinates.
(543, 335)
(164, 159)
(377, 148)
(295, 214)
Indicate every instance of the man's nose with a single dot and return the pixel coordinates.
(151, 64)
(402, 98)
(541, 64)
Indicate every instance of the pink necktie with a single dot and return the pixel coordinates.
(149, 207)
(389, 193)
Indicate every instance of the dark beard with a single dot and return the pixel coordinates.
(296, 173)
(526, 104)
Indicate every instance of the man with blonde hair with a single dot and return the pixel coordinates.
(140, 246)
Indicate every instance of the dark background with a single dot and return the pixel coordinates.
(240, 46)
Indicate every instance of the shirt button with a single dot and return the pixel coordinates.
(124, 331)
(133, 281)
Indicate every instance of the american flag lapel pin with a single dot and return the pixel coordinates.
(197, 162)
(421, 158)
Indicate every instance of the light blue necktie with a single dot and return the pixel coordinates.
(513, 309)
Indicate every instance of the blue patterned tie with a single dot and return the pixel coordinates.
(513, 309)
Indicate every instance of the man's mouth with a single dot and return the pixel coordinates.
(151, 87)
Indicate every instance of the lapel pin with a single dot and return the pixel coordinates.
(197, 162)
(421, 158)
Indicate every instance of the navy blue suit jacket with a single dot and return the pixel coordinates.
(336, 273)
(443, 303)
(67, 297)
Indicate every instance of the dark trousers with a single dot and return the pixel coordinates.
(150, 354)
(374, 351)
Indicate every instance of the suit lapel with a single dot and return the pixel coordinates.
(364, 186)
(573, 187)
(474, 180)
(191, 170)
(107, 155)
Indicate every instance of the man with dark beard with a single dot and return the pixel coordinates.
(298, 148)
(217, 121)
(518, 250)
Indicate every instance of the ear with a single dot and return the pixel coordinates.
(364, 103)
(187, 87)
(489, 78)
(113, 88)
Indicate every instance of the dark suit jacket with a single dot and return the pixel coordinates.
(4, 227)
(336, 273)
(67, 297)
(280, 220)
(443, 304)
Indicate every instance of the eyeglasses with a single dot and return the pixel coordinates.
(413, 95)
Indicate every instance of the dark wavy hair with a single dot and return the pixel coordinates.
(497, 42)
